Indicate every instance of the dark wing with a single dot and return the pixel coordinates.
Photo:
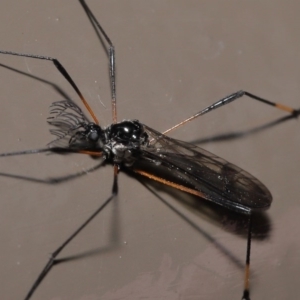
(220, 181)
(67, 119)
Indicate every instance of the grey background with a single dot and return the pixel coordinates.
(173, 58)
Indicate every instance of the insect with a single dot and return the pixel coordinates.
(130, 144)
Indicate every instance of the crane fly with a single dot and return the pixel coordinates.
(132, 145)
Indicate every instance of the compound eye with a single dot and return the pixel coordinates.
(93, 136)
(93, 132)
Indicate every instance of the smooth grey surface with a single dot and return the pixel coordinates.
(173, 59)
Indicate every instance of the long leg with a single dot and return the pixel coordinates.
(111, 54)
(53, 259)
(54, 149)
(31, 151)
(54, 180)
(246, 293)
(231, 98)
(63, 71)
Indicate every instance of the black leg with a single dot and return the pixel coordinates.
(63, 71)
(53, 261)
(111, 54)
(246, 293)
(231, 98)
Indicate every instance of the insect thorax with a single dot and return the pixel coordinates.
(124, 140)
